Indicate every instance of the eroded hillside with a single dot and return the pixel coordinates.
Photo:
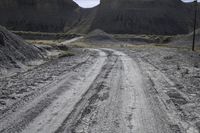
(37, 15)
(144, 17)
(119, 16)
(14, 52)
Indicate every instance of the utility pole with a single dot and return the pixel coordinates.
(195, 23)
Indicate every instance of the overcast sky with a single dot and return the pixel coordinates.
(93, 3)
(189, 0)
(87, 3)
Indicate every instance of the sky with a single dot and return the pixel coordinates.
(189, 0)
(93, 3)
(87, 3)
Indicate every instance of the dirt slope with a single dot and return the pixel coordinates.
(37, 15)
(14, 52)
(117, 16)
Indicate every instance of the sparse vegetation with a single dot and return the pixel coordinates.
(66, 54)
(43, 42)
(160, 39)
(80, 44)
(28, 35)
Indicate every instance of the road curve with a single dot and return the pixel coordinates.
(110, 96)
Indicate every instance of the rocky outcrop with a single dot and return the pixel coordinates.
(37, 15)
(14, 52)
(144, 17)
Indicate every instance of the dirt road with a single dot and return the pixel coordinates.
(70, 41)
(106, 92)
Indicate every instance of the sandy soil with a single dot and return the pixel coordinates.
(104, 91)
(174, 74)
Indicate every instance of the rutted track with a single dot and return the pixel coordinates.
(99, 91)
(117, 102)
(31, 105)
(108, 95)
(36, 79)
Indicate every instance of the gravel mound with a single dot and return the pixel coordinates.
(99, 36)
(14, 52)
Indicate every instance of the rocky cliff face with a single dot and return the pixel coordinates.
(144, 17)
(37, 15)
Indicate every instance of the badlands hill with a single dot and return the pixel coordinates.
(117, 16)
(37, 15)
(144, 17)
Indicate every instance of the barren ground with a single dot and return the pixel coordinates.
(135, 90)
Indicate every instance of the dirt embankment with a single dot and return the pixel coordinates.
(15, 52)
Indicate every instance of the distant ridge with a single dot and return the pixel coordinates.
(163, 17)
(37, 15)
(144, 17)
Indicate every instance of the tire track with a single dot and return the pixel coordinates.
(52, 116)
(111, 96)
(27, 113)
(32, 95)
(83, 106)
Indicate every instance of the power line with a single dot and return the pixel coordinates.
(195, 23)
